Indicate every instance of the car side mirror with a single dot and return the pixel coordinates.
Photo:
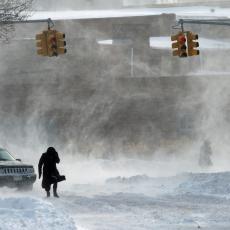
(18, 160)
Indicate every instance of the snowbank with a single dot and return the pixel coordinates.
(193, 183)
(185, 201)
(130, 180)
(28, 213)
(206, 183)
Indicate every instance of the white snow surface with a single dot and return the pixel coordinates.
(195, 11)
(139, 202)
(184, 201)
(31, 213)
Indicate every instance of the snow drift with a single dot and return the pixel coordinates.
(185, 183)
(29, 213)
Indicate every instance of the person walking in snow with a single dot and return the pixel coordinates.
(47, 167)
(205, 154)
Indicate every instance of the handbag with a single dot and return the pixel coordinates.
(61, 178)
(56, 179)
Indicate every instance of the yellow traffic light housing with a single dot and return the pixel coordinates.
(52, 43)
(61, 43)
(192, 44)
(41, 43)
(179, 45)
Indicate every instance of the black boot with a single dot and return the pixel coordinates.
(55, 191)
(55, 194)
(48, 193)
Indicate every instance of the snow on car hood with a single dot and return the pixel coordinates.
(13, 163)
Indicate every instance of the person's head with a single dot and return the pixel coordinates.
(51, 150)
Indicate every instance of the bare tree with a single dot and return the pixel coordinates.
(10, 11)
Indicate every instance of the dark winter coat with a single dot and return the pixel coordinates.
(47, 167)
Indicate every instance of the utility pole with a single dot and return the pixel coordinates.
(131, 64)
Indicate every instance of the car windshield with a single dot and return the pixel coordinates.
(5, 156)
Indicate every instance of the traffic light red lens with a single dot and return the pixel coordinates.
(182, 39)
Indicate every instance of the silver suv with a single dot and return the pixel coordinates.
(14, 173)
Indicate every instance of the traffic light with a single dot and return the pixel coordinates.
(192, 44)
(61, 43)
(41, 43)
(179, 45)
(52, 43)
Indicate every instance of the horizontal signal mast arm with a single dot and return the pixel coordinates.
(223, 22)
(23, 21)
(26, 21)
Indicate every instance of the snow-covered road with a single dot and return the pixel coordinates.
(185, 201)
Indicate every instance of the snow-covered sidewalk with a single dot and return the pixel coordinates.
(28, 213)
